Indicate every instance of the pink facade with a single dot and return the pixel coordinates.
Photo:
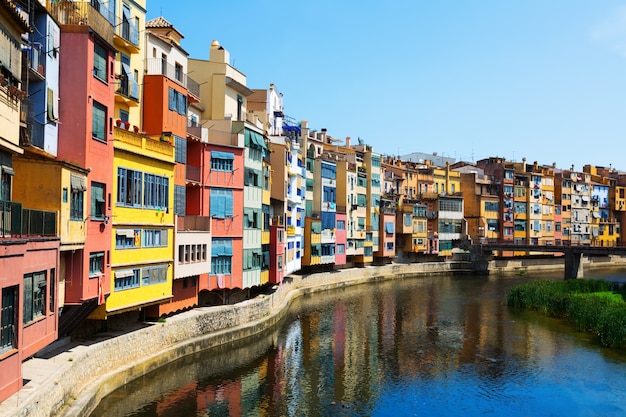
(341, 239)
(277, 254)
(29, 280)
(387, 240)
(86, 94)
(222, 197)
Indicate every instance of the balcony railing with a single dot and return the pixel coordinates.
(193, 174)
(127, 29)
(37, 59)
(18, 222)
(96, 16)
(157, 66)
(194, 223)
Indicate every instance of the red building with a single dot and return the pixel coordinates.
(87, 84)
(29, 242)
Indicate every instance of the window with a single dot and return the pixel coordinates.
(180, 148)
(5, 185)
(341, 225)
(328, 220)
(126, 279)
(128, 187)
(156, 191)
(153, 275)
(221, 203)
(96, 264)
(455, 205)
(492, 206)
(177, 102)
(251, 259)
(178, 72)
(329, 171)
(100, 56)
(97, 200)
(341, 249)
(124, 115)
(180, 200)
(34, 296)
(153, 238)
(8, 330)
(251, 218)
(77, 197)
(98, 122)
(52, 289)
(222, 161)
(127, 238)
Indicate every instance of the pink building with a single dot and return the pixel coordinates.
(340, 240)
(217, 191)
(277, 254)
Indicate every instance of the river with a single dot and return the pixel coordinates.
(424, 346)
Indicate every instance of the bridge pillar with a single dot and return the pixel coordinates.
(573, 265)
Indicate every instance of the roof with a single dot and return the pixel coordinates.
(15, 12)
(159, 22)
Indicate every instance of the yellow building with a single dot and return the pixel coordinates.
(129, 40)
(265, 237)
(143, 224)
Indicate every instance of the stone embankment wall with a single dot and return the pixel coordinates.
(73, 381)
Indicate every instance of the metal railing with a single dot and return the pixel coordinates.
(18, 222)
(157, 66)
(37, 59)
(95, 15)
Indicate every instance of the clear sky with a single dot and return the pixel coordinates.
(468, 79)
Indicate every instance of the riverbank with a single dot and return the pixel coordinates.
(73, 380)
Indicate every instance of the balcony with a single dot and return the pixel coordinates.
(18, 222)
(126, 34)
(194, 223)
(139, 144)
(193, 174)
(82, 13)
(197, 132)
(36, 61)
(128, 89)
(157, 66)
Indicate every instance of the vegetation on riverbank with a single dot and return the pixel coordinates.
(592, 305)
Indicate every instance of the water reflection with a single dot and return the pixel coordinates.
(426, 346)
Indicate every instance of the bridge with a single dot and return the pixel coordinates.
(572, 254)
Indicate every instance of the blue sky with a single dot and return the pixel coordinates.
(468, 79)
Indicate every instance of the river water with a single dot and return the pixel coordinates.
(424, 346)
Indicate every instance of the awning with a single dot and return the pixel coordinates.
(7, 170)
(595, 214)
(389, 227)
(585, 198)
(124, 273)
(254, 138)
(129, 233)
(78, 183)
(222, 155)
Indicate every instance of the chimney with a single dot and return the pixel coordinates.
(347, 141)
(323, 135)
(218, 54)
(523, 164)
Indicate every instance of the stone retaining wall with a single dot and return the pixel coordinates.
(74, 381)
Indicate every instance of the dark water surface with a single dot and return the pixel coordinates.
(436, 346)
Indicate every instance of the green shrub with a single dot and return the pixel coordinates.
(588, 304)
